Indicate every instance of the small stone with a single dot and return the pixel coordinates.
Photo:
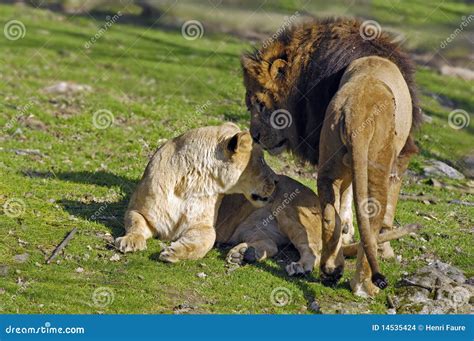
(21, 258)
(201, 275)
(4, 270)
(18, 271)
(141, 277)
(236, 255)
(399, 258)
(438, 168)
(314, 307)
(115, 258)
(79, 270)
(391, 311)
(38, 265)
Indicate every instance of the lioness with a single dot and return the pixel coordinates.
(293, 216)
(290, 84)
(183, 184)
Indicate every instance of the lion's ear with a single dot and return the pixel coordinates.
(249, 65)
(240, 142)
(278, 68)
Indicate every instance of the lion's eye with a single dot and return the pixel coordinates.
(259, 106)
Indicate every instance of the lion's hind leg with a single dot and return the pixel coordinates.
(252, 252)
(138, 231)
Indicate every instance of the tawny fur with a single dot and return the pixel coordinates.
(294, 216)
(367, 125)
(302, 71)
(179, 194)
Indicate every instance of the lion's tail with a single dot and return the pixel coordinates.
(360, 160)
(350, 250)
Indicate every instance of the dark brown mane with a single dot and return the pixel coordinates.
(318, 52)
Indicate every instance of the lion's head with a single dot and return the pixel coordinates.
(267, 82)
(252, 176)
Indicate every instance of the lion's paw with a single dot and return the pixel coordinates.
(296, 269)
(364, 289)
(131, 243)
(168, 255)
(236, 254)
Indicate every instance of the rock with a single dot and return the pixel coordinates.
(314, 307)
(437, 288)
(468, 165)
(427, 119)
(21, 258)
(79, 270)
(391, 311)
(115, 258)
(201, 275)
(459, 72)
(438, 168)
(4, 270)
(66, 87)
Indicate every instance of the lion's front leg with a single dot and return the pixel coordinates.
(194, 243)
(138, 231)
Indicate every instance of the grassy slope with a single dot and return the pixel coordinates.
(155, 84)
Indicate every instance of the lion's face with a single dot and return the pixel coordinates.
(270, 123)
(257, 180)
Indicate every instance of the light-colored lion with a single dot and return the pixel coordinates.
(179, 194)
(294, 216)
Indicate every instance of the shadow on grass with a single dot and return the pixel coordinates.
(290, 254)
(108, 213)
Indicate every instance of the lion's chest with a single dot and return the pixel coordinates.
(184, 213)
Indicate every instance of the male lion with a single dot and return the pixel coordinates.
(292, 216)
(183, 184)
(289, 86)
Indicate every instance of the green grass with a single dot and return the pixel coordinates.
(157, 85)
